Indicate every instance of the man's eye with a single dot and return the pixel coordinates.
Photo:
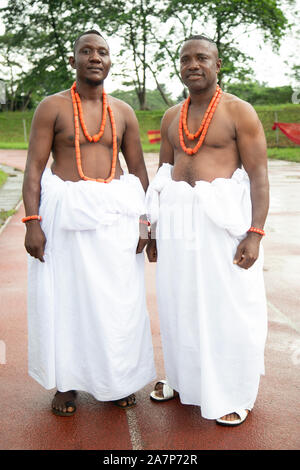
(85, 51)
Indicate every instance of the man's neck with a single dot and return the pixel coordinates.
(203, 96)
(88, 91)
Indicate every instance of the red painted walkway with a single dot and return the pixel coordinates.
(25, 418)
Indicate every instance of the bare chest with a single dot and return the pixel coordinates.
(220, 133)
(92, 118)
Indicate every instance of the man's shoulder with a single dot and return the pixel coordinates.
(172, 112)
(241, 112)
(54, 101)
(120, 104)
(233, 103)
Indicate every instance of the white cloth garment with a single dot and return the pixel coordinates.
(213, 314)
(88, 324)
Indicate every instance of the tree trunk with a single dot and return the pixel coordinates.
(27, 101)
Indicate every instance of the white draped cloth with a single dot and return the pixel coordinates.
(88, 325)
(213, 314)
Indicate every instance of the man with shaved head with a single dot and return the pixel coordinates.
(88, 323)
(208, 204)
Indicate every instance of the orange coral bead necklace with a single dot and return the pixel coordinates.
(202, 131)
(77, 109)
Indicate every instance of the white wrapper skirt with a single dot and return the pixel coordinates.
(213, 314)
(88, 324)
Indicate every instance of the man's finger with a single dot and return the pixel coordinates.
(141, 245)
(239, 255)
(41, 257)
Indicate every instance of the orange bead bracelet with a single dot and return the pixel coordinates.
(257, 230)
(31, 217)
(145, 222)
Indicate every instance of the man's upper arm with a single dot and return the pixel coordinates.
(166, 154)
(41, 135)
(251, 139)
(131, 143)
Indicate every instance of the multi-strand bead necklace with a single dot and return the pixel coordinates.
(77, 108)
(202, 131)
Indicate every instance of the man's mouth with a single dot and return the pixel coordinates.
(195, 75)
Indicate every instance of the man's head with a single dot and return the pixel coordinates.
(91, 57)
(199, 63)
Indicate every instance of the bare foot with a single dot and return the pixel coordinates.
(232, 416)
(63, 403)
(127, 402)
(233, 419)
(158, 392)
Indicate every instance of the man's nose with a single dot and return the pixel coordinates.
(194, 64)
(95, 56)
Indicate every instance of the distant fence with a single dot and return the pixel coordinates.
(276, 138)
(15, 127)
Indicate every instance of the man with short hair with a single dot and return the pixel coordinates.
(210, 200)
(88, 323)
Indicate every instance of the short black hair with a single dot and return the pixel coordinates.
(90, 31)
(202, 37)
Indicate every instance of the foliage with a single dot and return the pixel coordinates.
(154, 99)
(256, 93)
(224, 18)
(41, 33)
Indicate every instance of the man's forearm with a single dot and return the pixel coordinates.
(141, 172)
(31, 194)
(260, 200)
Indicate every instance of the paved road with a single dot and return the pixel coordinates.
(25, 420)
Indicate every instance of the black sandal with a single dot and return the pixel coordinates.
(67, 404)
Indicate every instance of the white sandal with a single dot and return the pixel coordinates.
(168, 392)
(242, 416)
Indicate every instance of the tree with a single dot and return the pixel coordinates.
(133, 22)
(257, 93)
(150, 32)
(224, 18)
(42, 31)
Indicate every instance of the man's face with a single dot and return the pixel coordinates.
(199, 64)
(92, 60)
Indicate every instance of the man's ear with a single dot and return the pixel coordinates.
(219, 64)
(72, 62)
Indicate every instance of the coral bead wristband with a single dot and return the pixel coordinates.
(257, 230)
(32, 217)
(146, 222)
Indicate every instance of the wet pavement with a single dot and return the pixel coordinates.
(25, 418)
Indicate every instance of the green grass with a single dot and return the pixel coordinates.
(288, 154)
(14, 145)
(5, 214)
(12, 129)
(3, 177)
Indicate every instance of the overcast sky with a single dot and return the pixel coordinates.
(269, 66)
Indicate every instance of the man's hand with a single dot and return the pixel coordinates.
(143, 240)
(151, 251)
(248, 250)
(35, 240)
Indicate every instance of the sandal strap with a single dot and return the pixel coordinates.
(242, 413)
(168, 392)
